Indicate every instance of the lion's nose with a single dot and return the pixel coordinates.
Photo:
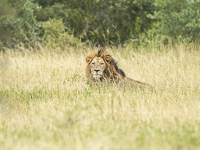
(96, 70)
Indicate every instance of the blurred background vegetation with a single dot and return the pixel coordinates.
(60, 23)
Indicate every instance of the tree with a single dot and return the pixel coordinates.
(17, 21)
(100, 21)
(177, 19)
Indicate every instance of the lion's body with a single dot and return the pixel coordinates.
(102, 67)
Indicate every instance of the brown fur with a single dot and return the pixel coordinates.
(111, 73)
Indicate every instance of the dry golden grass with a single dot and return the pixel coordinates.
(45, 102)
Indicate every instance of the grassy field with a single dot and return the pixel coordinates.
(45, 102)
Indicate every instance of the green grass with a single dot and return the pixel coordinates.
(45, 102)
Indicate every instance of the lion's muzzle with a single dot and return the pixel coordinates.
(97, 74)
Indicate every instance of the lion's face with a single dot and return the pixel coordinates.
(100, 66)
(97, 67)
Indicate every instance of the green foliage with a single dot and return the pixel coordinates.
(57, 35)
(177, 19)
(17, 21)
(98, 22)
(102, 22)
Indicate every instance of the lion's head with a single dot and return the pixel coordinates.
(101, 66)
(97, 67)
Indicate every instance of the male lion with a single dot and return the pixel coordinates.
(102, 67)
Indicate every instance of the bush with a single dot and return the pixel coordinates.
(103, 22)
(177, 19)
(17, 22)
(57, 35)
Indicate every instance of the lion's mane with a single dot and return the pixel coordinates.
(111, 72)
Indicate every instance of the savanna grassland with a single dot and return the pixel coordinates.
(45, 102)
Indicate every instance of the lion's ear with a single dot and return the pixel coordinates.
(108, 58)
(88, 59)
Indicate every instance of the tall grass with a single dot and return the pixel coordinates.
(45, 102)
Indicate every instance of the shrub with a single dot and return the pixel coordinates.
(17, 22)
(57, 35)
(177, 19)
(102, 22)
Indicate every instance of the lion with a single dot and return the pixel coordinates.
(101, 67)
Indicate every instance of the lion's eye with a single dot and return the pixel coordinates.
(102, 63)
(93, 64)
